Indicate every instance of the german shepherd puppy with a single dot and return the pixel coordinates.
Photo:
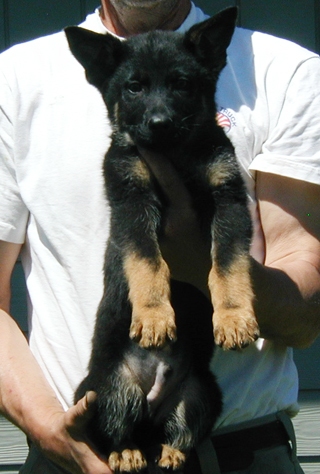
(153, 338)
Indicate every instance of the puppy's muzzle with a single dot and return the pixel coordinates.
(157, 131)
(159, 123)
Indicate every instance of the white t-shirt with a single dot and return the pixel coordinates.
(54, 133)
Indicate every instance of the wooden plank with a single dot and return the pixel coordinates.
(13, 445)
(10, 469)
(307, 423)
(310, 467)
(290, 19)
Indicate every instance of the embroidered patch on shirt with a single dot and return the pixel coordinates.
(226, 119)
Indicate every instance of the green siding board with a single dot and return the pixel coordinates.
(294, 20)
(212, 7)
(297, 20)
(91, 5)
(22, 21)
(308, 364)
(3, 42)
(317, 23)
(19, 298)
(35, 18)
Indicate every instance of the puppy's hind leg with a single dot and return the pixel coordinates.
(120, 405)
(191, 420)
(119, 412)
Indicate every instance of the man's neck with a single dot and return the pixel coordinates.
(130, 17)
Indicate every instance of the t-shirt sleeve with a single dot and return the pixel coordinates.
(292, 148)
(13, 212)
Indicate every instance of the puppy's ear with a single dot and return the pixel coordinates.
(210, 39)
(98, 54)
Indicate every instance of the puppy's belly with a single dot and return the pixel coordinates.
(157, 373)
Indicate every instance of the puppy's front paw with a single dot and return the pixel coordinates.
(171, 458)
(235, 328)
(154, 326)
(129, 460)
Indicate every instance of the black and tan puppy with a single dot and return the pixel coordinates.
(153, 338)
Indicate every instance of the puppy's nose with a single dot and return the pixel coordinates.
(160, 122)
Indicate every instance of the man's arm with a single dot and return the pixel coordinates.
(27, 399)
(288, 286)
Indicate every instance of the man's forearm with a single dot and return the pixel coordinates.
(26, 398)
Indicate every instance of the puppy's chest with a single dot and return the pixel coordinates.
(129, 178)
(193, 170)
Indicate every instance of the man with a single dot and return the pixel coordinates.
(54, 133)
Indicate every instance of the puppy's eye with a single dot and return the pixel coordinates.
(134, 87)
(182, 85)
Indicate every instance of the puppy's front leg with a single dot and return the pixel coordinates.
(153, 319)
(136, 221)
(234, 322)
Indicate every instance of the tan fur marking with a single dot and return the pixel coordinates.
(116, 112)
(232, 296)
(125, 137)
(153, 319)
(221, 171)
(141, 171)
(171, 458)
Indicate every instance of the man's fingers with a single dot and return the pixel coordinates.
(167, 177)
(81, 413)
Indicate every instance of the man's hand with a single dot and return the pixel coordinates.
(182, 245)
(65, 441)
(287, 287)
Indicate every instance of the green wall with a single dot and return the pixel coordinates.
(298, 20)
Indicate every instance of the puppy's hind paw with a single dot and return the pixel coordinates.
(171, 458)
(129, 460)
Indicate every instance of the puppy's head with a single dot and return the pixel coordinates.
(159, 86)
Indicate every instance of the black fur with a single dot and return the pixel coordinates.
(159, 89)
